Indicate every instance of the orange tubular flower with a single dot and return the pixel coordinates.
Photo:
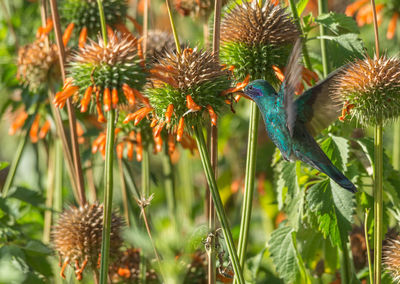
(44, 130)
(82, 37)
(67, 34)
(191, 104)
(33, 132)
(213, 115)
(18, 123)
(392, 26)
(107, 99)
(181, 127)
(46, 29)
(168, 113)
(309, 77)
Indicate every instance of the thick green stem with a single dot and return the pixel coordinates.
(169, 182)
(108, 196)
(306, 57)
(396, 145)
(378, 203)
(322, 9)
(201, 144)
(14, 165)
(249, 183)
(370, 272)
(345, 265)
(145, 173)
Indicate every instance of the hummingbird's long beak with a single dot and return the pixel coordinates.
(242, 94)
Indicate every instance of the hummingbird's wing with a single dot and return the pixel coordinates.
(292, 80)
(316, 107)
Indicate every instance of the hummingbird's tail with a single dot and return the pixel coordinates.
(333, 172)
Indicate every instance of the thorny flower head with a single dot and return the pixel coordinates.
(255, 38)
(38, 63)
(370, 89)
(158, 43)
(364, 13)
(105, 75)
(182, 88)
(391, 257)
(84, 14)
(77, 237)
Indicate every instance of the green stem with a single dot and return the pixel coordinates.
(169, 182)
(108, 196)
(249, 183)
(322, 9)
(145, 173)
(171, 19)
(345, 265)
(306, 57)
(14, 165)
(102, 21)
(49, 194)
(370, 272)
(58, 179)
(124, 193)
(378, 203)
(396, 145)
(218, 203)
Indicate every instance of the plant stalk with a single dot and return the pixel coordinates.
(168, 175)
(321, 10)
(14, 165)
(145, 173)
(378, 203)
(201, 144)
(108, 174)
(58, 179)
(124, 194)
(108, 196)
(306, 56)
(48, 214)
(345, 265)
(171, 19)
(70, 110)
(370, 271)
(249, 183)
(378, 176)
(396, 145)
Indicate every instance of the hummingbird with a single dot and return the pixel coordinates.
(291, 123)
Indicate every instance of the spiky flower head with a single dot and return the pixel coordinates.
(391, 257)
(370, 89)
(85, 14)
(196, 8)
(77, 237)
(255, 38)
(107, 75)
(158, 42)
(183, 87)
(127, 268)
(38, 64)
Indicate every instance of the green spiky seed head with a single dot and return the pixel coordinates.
(78, 234)
(370, 89)
(38, 64)
(254, 38)
(111, 67)
(85, 13)
(191, 81)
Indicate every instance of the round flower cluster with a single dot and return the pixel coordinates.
(77, 237)
(370, 89)
(101, 73)
(183, 86)
(85, 14)
(255, 38)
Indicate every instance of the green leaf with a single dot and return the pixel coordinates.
(3, 165)
(254, 264)
(29, 196)
(332, 207)
(337, 150)
(284, 254)
(338, 23)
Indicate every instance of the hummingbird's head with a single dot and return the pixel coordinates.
(258, 89)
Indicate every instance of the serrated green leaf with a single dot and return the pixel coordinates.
(283, 253)
(333, 208)
(254, 264)
(337, 150)
(29, 196)
(338, 23)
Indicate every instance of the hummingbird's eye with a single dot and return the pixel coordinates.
(250, 87)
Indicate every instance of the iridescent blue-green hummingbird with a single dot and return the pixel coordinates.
(290, 123)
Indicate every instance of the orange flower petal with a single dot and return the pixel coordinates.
(352, 8)
(82, 37)
(33, 132)
(86, 99)
(213, 115)
(181, 127)
(110, 32)
(114, 98)
(392, 26)
(191, 104)
(67, 33)
(168, 113)
(128, 92)
(44, 130)
(18, 123)
(158, 129)
(107, 99)
(120, 150)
